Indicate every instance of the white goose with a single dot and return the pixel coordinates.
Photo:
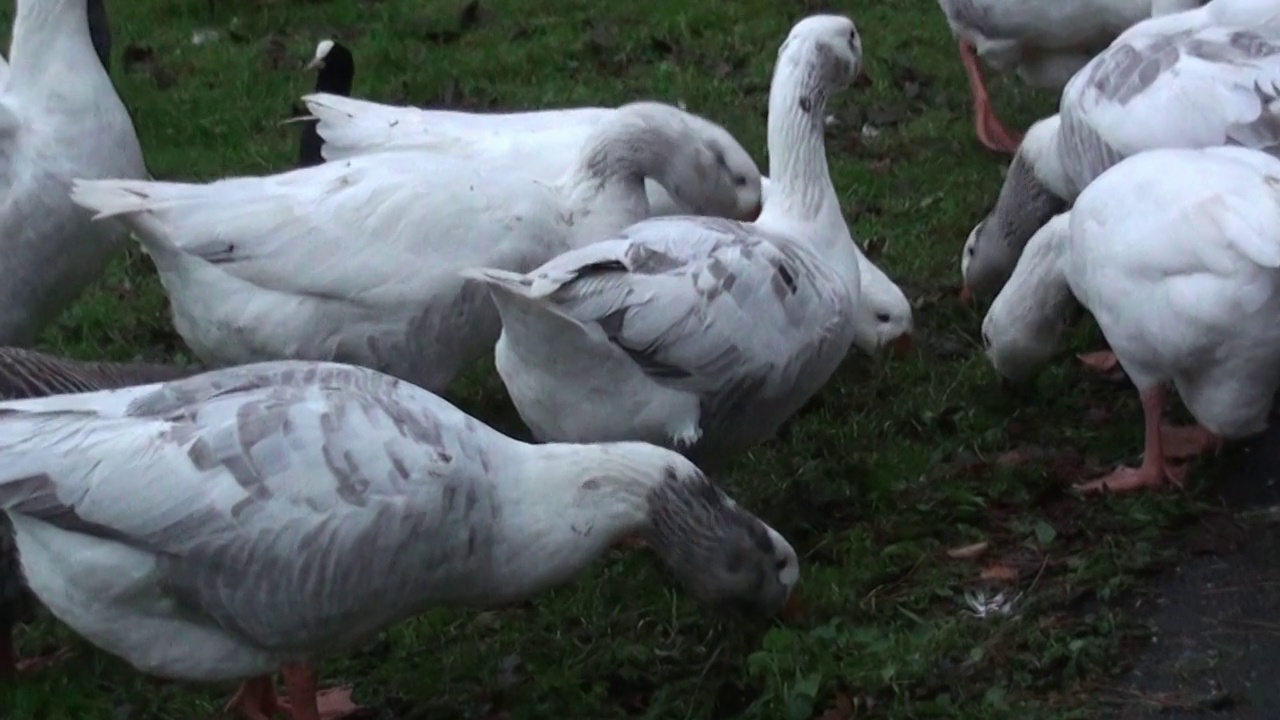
(1044, 41)
(684, 331)
(24, 374)
(358, 260)
(259, 518)
(1176, 253)
(60, 119)
(1200, 78)
(543, 143)
(883, 316)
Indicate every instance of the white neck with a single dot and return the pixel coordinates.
(1039, 278)
(606, 187)
(1027, 320)
(52, 48)
(1040, 146)
(799, 180)
(563, 506)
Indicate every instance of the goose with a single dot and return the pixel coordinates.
(701, 334)
(543, 143)
(26, 374)
(335, 68)
(1200, 78)
(60, 118)
(1195, 79)
(884, 312)
(1044, 41)
(259, 518)
(1176, 254)
(281, 267)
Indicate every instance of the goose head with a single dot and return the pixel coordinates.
(719, 552)
(1030, 195)
(831, 47)
(883, 317)
(709, 172)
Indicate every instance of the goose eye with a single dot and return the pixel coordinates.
(739, 181)
(882, 317)
(717, 154)
(781, 564)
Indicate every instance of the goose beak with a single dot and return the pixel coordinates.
(753, 213)
(903, 345)
(863, 78)
(792, 610)
(966, 297)
(315, 64)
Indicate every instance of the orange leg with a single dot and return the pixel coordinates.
(256, 699)
(308, 703)
(1103, 362)
(993, 133)
(1181, 443)
(11, 667)
(1155, 471)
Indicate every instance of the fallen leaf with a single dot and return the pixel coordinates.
(277, 53)
(137, 55)
(841, 709)
(999, 573)
(1097, 415)
(793, 611)
(1013, 458)
(968, 552)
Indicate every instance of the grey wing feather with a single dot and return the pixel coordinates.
(708, 306)
(29, 374)
(1198, 87)
(331, 506)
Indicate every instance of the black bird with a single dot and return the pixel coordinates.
(336, 69)
(100, 32)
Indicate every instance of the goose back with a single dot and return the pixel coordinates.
(30, 374)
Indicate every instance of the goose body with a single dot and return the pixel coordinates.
(883, 317)
(1044, 41)
(236, 522)
(542, 143)
(1176, 254)
(357, 260)
(27, 374)
(1200, 78)
(60, 119)
(698, 331)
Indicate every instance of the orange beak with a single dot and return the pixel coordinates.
(863, 78)
(752, 214)
(965, 296)
(903, 345)
(793, 610)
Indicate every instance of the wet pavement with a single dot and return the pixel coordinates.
(1216, 648)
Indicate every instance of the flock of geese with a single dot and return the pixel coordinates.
(651, 300)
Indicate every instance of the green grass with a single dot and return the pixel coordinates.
(895, 462)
